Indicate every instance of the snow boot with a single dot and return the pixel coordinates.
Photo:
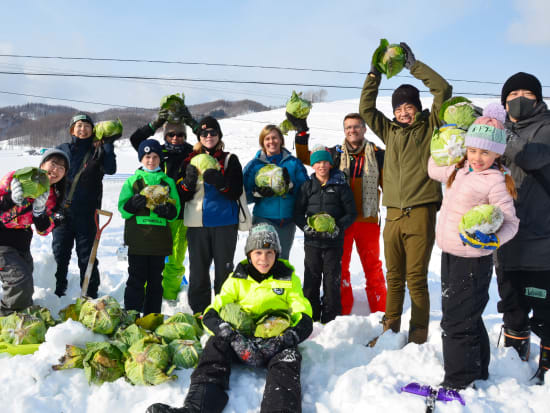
(393, 324)
(201, 398)
(418, 335)
(164, 408)
(519, 340)
(544, 364)
(61, 288)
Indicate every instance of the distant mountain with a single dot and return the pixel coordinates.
(41, 125)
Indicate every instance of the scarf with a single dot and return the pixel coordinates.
(370, 174)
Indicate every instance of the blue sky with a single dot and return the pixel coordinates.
(468, 39)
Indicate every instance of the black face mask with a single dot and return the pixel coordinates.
(521, 108)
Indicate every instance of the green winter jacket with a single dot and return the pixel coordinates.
(405, 181)
(281, 291)
(146, 233)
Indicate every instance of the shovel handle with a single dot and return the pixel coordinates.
(104, 213)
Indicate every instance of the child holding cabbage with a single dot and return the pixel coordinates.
(260, 284)
(324, 208)
(148, 202)
(27, 198)
(466, 261)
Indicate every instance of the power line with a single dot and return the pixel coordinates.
(69, 100)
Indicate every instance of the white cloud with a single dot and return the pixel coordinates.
(532, 26)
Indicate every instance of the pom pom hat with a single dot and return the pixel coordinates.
(319, 154)
(487, 132)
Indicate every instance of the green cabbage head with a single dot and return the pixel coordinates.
(125, 337)
(389, 58)
(102, 315)
(297, 106)
(203, 161)
(72, 359)
(485, 218)
(34, 181)
(186, 318)
(103, 362)
(239, 319)
(271, 176)
(272, 325)
(447, 145)
(173, 331)
(108, 129)
(156, 195)
(322, 222)
(185, 353)
(149, 362)
(174, 104)
(22, 329)
(458, 111)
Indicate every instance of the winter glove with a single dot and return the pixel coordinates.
(189, 183)
(162, 117)
(288, 183)
(374, 70)
(310, 232)
(332, 235)
(39, 204)
(247, 350)
(187, 117)
(480, 240)
(58, 218)
(274, 345)
(166, 210)
(409, 56)
(16, 192)
(299, 124)
(263, 192)
(135, 204)
(226, 332)
(214, 178)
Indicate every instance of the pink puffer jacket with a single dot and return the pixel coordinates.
(21, 216)
(468, 190)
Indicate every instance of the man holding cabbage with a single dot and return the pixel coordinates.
(411, 197)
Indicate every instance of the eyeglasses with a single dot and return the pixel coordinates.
(172, 134)
(55, 166)
(206, 132)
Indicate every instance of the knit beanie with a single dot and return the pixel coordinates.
(148, 146)
(262, 236)
(83, 117)
(318, 154)
(175, 128)
(208, 122)
(521, 80)
(487, 132)
(406, 94)
(56, 152)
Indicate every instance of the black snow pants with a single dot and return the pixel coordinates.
(323, 265)
(464, 295)
(17, 283)
(204, 245)
(523, 291)
(80, 228)
(282, 392)
(144, 269)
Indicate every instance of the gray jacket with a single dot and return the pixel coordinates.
(527, 156)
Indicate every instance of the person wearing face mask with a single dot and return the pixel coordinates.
(523, 264)
(411, 197)
(174, 150)
(211, 213)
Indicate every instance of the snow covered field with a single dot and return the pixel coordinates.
(339, 374)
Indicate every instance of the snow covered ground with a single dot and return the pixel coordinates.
(339, 374)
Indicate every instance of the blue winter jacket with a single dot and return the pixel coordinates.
(276, 207)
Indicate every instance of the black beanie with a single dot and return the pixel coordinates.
(406, 94)
(208, 122)
(521, 80)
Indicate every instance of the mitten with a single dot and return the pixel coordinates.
(299, 124)
(288, 183)
(166, 210)
(16, 192)
(374, 70)
(191, 176)
(409, 56)
(274, 345)
(263, 192)
(310, 232)
(39, 204)
(135, 204)
(162, 117)
(246, 350)
(214, 178)
(480, 240)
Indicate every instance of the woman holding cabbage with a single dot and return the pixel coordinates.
(210, 183)
(28, 196)
(271, 180)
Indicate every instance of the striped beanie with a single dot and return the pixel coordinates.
(487, 132)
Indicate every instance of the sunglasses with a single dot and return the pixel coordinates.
(172, 134)
(211, 132)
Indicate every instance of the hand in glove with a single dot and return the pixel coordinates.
(247, 350)
(16, 192)
(263, 192)
(310, 232)
(409, 56)
(39, 204)
(374, 69)
(274, 345)
(186, 116)
(480, 240)
(135, 204)
(162, 117)
(288, 183)
(191, 175)
(214, 178)
(226, 332)
(332, 235)
(299, 124)
(166, 210)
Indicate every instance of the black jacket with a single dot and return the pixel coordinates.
(335, 198)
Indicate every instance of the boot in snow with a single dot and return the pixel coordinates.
(544, 365)
(164, 408)
(201, 397)
(519, 340)
(417, 335)
(393, 324)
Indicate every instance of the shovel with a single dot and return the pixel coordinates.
(93, 254)
(431, 394)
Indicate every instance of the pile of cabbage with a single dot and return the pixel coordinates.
(143, 350)
(203, 162)
(271, 324)
(175, 105)
(322, 222)
(297, 107)
(271, 176)
(34, 181)
(485, 218)
(111, 129)
(389, 58)
(447, 145)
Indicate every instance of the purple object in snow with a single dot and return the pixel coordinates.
(448, 395)
(443, 394)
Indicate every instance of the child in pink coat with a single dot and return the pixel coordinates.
(466, 261)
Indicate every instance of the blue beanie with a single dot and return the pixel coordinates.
(148, 146)
(320, 155)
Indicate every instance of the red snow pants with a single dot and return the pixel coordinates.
(367, 241)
